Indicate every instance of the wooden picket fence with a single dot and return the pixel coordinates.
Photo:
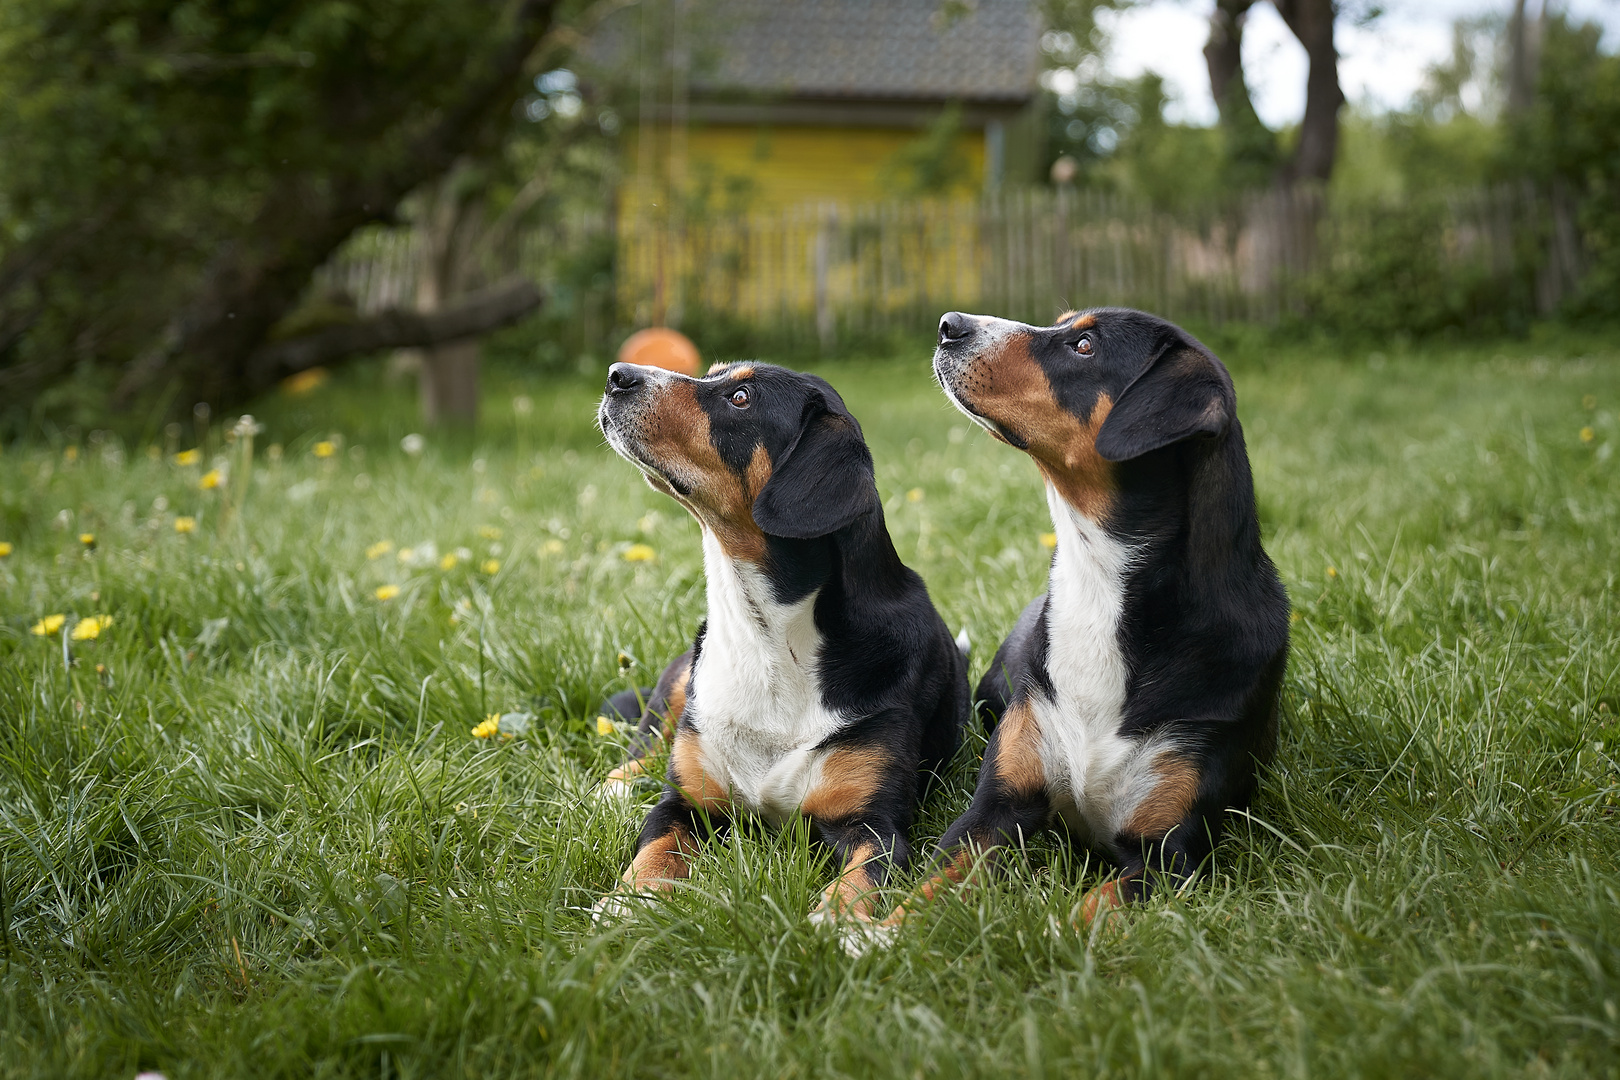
(836, 271)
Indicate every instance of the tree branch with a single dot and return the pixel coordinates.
(398, 328)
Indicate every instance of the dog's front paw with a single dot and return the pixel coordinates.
(856, 935)
(615, 789)
(616, 907)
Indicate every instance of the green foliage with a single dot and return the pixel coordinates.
(261, 842)
(933, 163)
(1394, 268)
(1400, 226)
(1171, 166)
(1571, 137)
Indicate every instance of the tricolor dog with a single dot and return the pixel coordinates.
(822, 683)
(1135, 699)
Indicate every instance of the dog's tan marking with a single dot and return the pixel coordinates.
(758, 475)
(1010, 388)
(1082, 322)
(675, 704)
(851, 894)
(1069, 459)
(678, 434)
(967, 857)
(1015, 751)
(1168, 804)
(629, 770)
(744, 372)
(1064, 318)
(662, 862)
(687, 774)
(849, 779)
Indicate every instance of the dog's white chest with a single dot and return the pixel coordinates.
(756, 691)
(1092, 772)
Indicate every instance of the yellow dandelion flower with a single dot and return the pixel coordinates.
(379, 549)
(1049, 540)
(914, 495)
(188, 457)
(489, 728)
(1294, 616)
(1332, 571)
(209, 480)
(639, 553)
(87, 539)
(47, 626)
(448, 562)
(490, 566)
(604, 726)
(325, 448)
(185, 524)
(406, 554)
(5, 548)
(489, 532)
(1587, 434)
(304, 381)
(71, 454)
(91, 628)
(386, 592)
(551, 547)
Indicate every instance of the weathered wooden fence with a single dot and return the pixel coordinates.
(831, 271)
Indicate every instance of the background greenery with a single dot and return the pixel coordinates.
(248, 832)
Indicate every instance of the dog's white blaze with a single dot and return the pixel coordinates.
(1095, 777)
(756, 694)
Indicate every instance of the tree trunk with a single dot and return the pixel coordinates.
(252, 284)
(1524, 56)
(1312, 23)
(449, 226)
(449, 383)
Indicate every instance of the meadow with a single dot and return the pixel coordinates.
(246, 829)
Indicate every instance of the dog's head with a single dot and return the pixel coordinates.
(1094, 389)
(750, 449)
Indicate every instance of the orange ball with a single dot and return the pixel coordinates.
(659, 346)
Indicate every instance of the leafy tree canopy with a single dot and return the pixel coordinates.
(171, 174)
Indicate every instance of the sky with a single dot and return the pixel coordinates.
(1380, 65)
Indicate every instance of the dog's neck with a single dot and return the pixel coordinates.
(765, 637)
(773, 607)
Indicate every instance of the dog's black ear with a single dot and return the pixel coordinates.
(1183, 392)
(823, 483)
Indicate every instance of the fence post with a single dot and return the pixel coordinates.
(826, 326)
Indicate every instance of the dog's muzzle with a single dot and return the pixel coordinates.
(631, 391)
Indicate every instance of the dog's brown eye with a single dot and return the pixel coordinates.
(739, 397)
(1083, 346)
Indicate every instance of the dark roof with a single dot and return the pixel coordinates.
(984, 51)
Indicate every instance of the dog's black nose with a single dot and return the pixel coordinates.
(623, 378)
(954, 326)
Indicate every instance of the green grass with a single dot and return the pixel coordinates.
(248, 833)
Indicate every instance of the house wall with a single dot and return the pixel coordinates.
(764, 168)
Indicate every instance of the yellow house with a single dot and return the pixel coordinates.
(772, 122)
